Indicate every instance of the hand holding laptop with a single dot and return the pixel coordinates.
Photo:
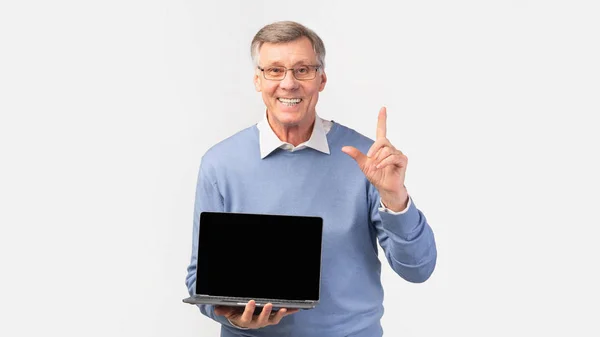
(247, 319)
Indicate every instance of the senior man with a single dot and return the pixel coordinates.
(294, 162)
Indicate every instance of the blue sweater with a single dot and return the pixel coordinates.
(233, 178)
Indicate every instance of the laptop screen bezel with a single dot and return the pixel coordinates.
(216, 217)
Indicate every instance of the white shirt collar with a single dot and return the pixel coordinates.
(269, 141)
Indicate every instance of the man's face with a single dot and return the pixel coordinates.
(277, 93)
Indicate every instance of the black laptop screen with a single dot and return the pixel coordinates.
(259, 256)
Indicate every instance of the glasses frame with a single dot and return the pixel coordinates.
(317, 67)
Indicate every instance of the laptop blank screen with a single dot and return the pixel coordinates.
(259, 256)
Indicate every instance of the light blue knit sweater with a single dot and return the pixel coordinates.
(233, 178)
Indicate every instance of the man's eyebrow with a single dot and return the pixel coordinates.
(275, 63)
(304, 62)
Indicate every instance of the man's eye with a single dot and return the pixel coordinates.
(275, 70)
(302, 70)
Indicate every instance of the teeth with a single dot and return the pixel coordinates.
(290, 101)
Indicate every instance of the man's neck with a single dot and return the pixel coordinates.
(296, 134)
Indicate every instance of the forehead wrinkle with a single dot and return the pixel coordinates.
(280, 57)
(303, 62)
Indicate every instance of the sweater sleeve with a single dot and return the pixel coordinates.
(208, 199)
(406, 239)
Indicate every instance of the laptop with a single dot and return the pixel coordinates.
(263, 257)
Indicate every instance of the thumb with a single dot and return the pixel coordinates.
(355, 154)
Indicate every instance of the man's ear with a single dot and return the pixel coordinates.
(323, 81)
(257, 82)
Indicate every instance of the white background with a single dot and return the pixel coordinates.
(107, 106)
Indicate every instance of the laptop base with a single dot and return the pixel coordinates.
(241, 302)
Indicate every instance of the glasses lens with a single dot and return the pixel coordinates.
(275, 73)
(305, 73)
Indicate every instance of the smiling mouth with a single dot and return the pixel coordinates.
(290, 101)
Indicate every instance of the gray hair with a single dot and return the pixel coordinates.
(286, 31)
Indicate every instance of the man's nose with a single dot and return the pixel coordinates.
(289, 82)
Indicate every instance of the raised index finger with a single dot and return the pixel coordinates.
(381, 123)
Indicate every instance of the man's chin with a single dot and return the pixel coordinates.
(289, 117)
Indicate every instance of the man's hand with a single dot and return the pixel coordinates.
(384, 166)
(245, 318)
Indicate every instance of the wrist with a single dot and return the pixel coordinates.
(395, 203)
(237, 326)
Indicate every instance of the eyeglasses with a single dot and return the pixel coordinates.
(301, 73)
